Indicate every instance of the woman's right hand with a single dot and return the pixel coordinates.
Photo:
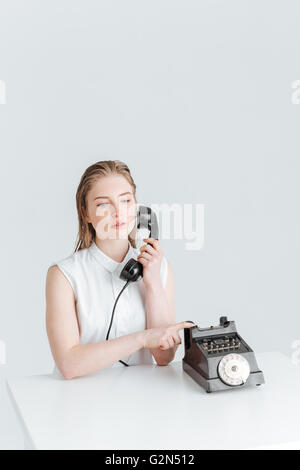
(164, 337)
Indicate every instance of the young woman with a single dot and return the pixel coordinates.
(81, 289)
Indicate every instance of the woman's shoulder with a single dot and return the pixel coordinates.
(73, 267)
(72, 260)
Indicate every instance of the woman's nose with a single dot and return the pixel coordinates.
(116, 211)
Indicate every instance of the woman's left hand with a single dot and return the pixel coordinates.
(151, 257)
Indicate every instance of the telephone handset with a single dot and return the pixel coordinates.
(146, 220)
(133, 270)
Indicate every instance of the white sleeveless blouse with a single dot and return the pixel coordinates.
(95, 279)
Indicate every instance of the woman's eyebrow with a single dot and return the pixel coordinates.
(107, 197)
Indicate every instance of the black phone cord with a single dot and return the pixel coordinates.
(112, 317)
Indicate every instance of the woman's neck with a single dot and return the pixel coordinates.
(115, 249)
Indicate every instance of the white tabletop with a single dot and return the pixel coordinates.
(153, 407)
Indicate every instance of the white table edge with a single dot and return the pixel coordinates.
(28, 442)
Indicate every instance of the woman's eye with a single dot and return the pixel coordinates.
(102, 203)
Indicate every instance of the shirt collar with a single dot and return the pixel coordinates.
(108, 263)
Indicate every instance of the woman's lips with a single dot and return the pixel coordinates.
(118, 225)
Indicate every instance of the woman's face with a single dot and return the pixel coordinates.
(110, 201)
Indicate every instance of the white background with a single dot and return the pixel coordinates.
(195, 96)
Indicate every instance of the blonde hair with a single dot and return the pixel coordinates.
(86, 232)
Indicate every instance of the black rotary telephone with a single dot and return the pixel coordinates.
(218, 358)
(133, 270)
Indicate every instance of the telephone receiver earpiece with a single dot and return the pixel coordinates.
(145, 219)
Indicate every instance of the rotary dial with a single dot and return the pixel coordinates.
(234, 369)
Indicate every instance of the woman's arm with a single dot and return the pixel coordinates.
(72, 358)
(160, 311)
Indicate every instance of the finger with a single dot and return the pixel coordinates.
(153, 242)
(148, 248)
(171, 342)
(144, 259)
(164, 345)
(184, 324)
(177, 339)
(145, 255)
